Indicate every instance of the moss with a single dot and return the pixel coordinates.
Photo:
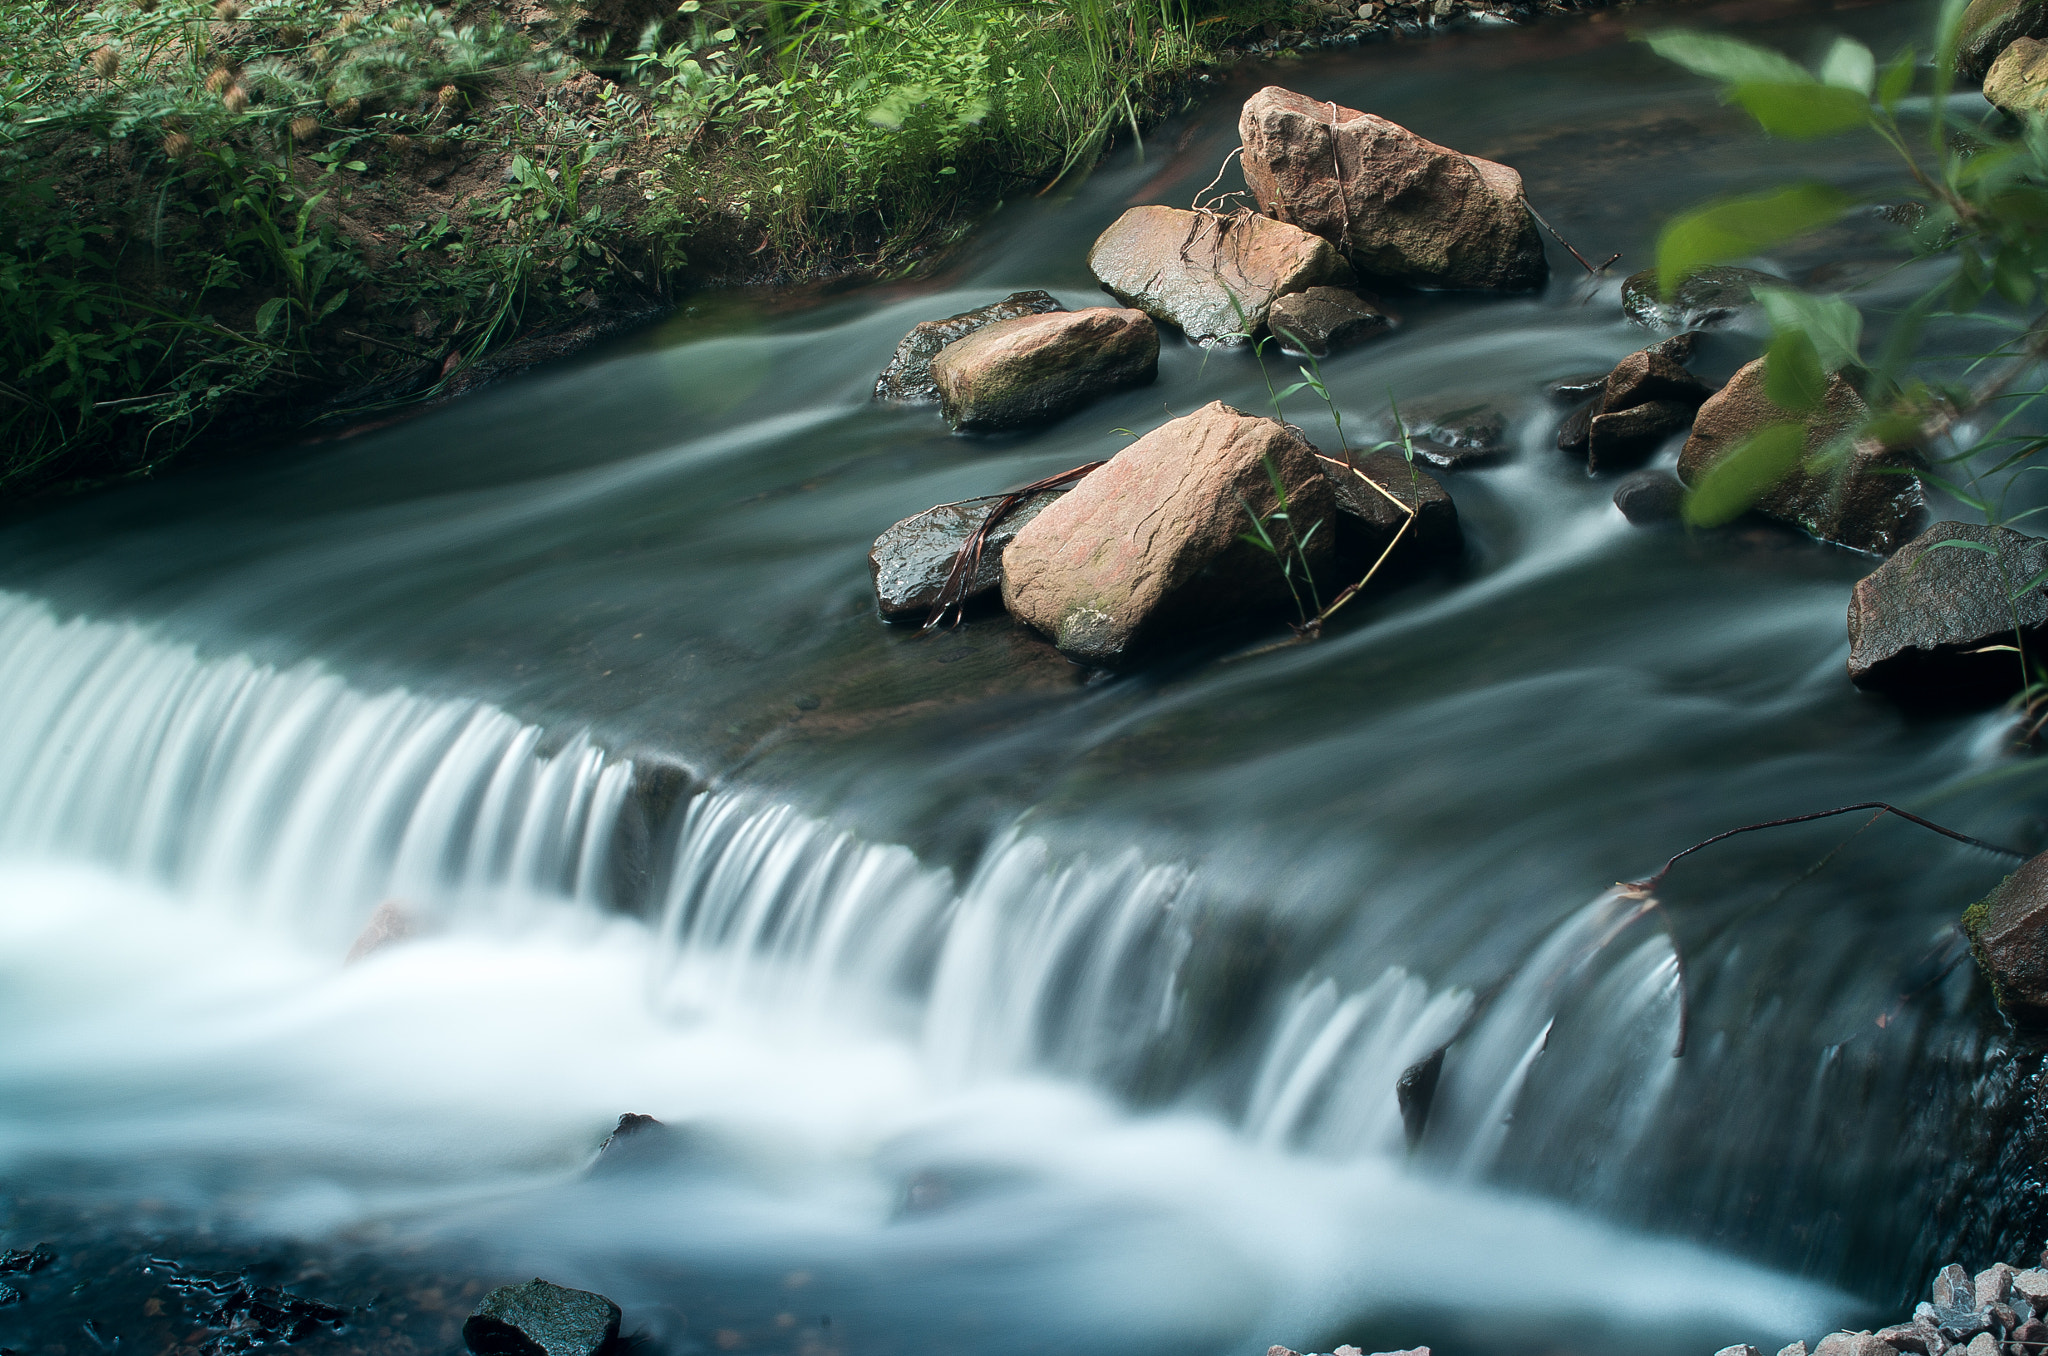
(1974, 920)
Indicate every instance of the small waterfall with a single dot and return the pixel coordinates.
(284, 793)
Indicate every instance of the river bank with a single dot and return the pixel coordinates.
(230, 225)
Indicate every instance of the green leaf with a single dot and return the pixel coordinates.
(1897, 80)
(1793, 379)
(1739, 227)
(334, 303)
(1736, 481)
(1832, 324)
(267, 314)
(1803, 112)
(1849, 65)
(1726, 59)
(355, 166)
(1962, 544)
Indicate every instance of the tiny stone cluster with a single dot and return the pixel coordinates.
(1997, 1312)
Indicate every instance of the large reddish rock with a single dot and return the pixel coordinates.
(1149, 550)
(1868, 501)
(1038, 367)
(1920, 624)
(1214, 275)
(1399, 206)
(2008, 931)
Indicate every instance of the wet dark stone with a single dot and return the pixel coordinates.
(541, 1319)
(1648, 497)
(1572, 390)
(2008, 931)
(1623, 439)
(908, 377)
(1415, 1091)
(639, 1143)
(1323, 319)
(1711, 298)
(910, 562)
(27, 1259)
(248, 1315)
(1648, 377)
(1452, 434)
(1920, 622)
(1366, 521)
(1577, 429)
(9, 1295)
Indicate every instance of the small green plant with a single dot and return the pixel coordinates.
(1289, 549)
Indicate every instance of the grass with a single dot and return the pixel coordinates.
(218, 215)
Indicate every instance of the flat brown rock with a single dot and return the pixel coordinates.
(908, 377)
(1862, 502)
(2018, 81)
(1215, 276)
(1399, 206)
(1147, 551)
(1325, 318)
(1034, 368)
(1920, 624)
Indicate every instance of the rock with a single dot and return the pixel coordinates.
(1650, 497)
(1851, 1344)
(1920, 622)
(1367, 521)
(1622, 439)
(1648, 376)
(1038, 367)
(1679, 347)
(2027, 1339)
(909, 564)
(908, 376)
(540, 1319)
(1989, 26)
(1954, 1288)
(389, 922)
(1793, 1349)
(1415, 1093)
(1322, 319)
(2018, 81)
(2008, 932)
(1573, 390)
(1576, 432)
(1922, 1338)
(1740, 1349)
(1993, 1285)
(1398, 206)
(1456, 433)
(1983, 1344)
(27, 1259)
(639, 1143)
(1713, 297)
(2031, 1285)
(1146, 550)
(1860, 503)
(1214, 276)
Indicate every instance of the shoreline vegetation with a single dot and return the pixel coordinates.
(232, 223)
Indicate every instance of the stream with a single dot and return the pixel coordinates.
(993, 1006)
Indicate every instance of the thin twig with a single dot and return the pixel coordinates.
(1644, 887)
(1196, 205)
(1590, 270)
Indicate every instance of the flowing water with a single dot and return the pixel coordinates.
(996, 1007)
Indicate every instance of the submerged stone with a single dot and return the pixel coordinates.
(1649, 497)
(1714, 297)
(1456, 433)
(541, 1319)
(908, 377)
(1368, 519)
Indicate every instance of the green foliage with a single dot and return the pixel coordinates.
(1737, 228)
(1289, 549)
(1739, 479)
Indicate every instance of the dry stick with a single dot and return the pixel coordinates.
(1313, 628)
(967, 560)
(1644, 887)
(1196, 205)
(1590, 270)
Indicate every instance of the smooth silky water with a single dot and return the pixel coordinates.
(999, 1008)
